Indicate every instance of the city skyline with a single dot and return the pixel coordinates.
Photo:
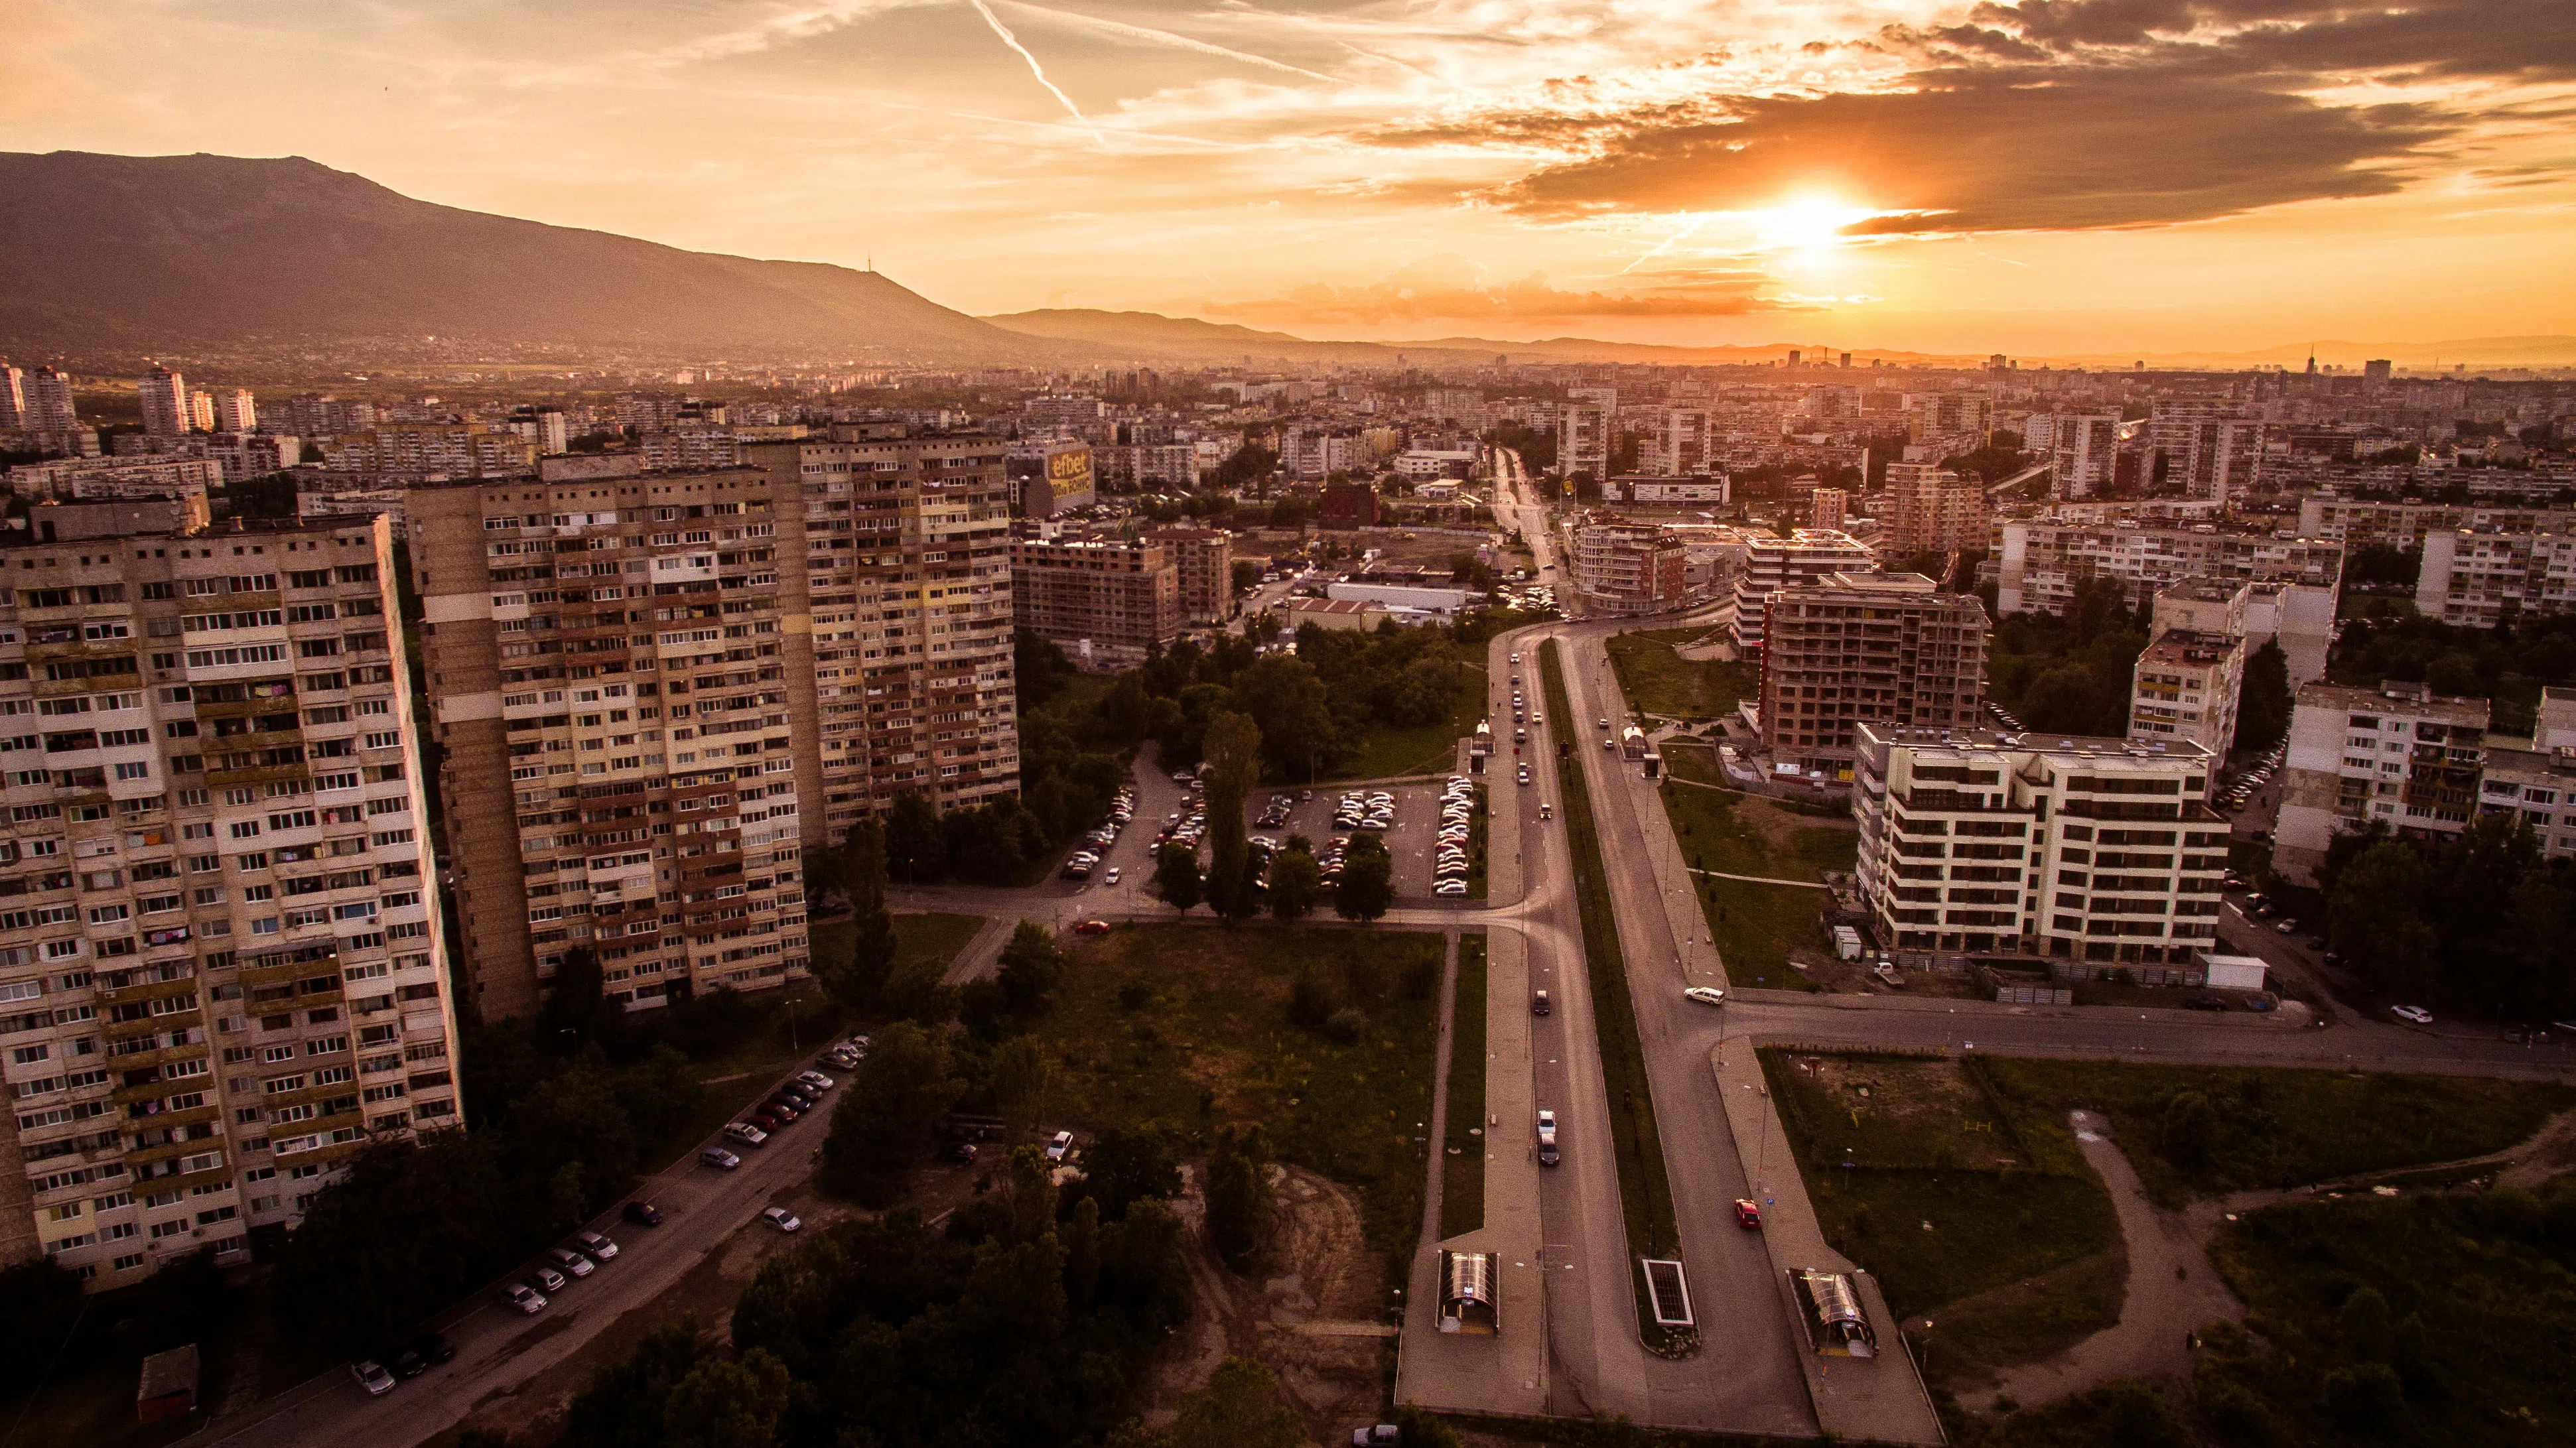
(2053, 178)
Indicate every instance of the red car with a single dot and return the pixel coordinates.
(1092, 927)
(1747, 1215)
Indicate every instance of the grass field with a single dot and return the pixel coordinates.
(1755, 926)
(2278, 1127)
(1462, 1162)
(1645, 1190)
(1658, 681)
(1947, 1194)
(1390, 753)
(1186, 1028)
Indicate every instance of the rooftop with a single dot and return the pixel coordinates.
(2188, 648)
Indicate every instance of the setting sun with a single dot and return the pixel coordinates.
(1806, 224)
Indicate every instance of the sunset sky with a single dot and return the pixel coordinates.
(2060, 176)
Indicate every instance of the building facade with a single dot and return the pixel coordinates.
(1622, 566)
(1205, 558)
(1773, 563)
(1583, 439)
(2398, 755)
(1883, 648)
(1108, 600)
(2483, 577)
(1932, 510)
(163, 395)
(222, 930)
(2091, 851)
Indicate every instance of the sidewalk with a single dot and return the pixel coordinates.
(1881, 1399)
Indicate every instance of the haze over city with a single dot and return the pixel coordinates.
(2076, 178)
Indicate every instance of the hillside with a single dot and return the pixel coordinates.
(171, 252)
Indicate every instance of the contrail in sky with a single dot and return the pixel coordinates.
(1166, 37)
(1037, 70)
(1660, 248)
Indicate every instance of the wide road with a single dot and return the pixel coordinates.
(499, 1351)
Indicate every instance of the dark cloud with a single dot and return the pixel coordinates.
(2526, 39)
(1440, 292)
(2042, 149)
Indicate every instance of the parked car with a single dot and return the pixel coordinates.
(1747, 1214)
(372, 1377)
(746, 1133)
(434, 1348)
(1547, 1138)
(642, 1214)
(1112, 876)
(525, 1298)
(1092, 927)
(547, 1279)
(816, 1079)
(719, 1158)
(962, 1152)
(785, 1111)
(2412, 1015)
(1059, 1146)
(1379, 1435)
(600, 1248)
(569, 1262)
(1707, 995)
(781, 1218)
(1540, 1005)
(1450, 887)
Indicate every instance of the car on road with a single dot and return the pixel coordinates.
(1547, 1138)
(425, 1352)
(525, 1298)
(719, 1158)
(569, 1262)
(1540, 1005)
(2412, 1015)
(1092, 927)
(1604, 723)
(1059, 1146)
(781, 1218)
(746, 1133)
(642, 1214)
(1525, 776)
(2288, 927)
(1110, 878)
(547, 1279)
(816, 1079)
(600, 1248)
(372, 1376)
(845, 1060)
(1707, 995)
(1747, 1214)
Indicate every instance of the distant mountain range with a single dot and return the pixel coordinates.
(121, 257)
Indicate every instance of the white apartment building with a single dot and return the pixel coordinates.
(2082, 450)
(2363, 522)
(2094, 851)
(220, 936)
(2399, 755)
(2479, 578)
(2041, 560)
(2206, 445)
(164, 397)
(1583, 439)
(1772, 563)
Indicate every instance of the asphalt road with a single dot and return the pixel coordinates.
(499, 1351)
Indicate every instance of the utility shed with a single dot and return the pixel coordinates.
(2235, 972)
(169, 1386)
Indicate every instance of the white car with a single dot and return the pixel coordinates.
(2412, 1015)
(371, 1375)
(1707, 995)
(600, 1248)
(568, 1262)
(1059, 1145)
(817, 1080)
(781, 1218)
(1112, 877)
(525, 1298)
(1450, 887)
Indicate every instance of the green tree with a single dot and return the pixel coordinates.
(1367, 887)
(1023, 1075)
(2263, 700)
(1082, 1254)
(1232, 750)
(890, 1114)
(915, 847)
(1291, 708)
(626, 1403)
(727, 1402)
(859, 981)
(1296, 883)
(1030, 966)
(2375, 918)
(1238, 1195)
(1239, 1408)
(1121, 1167)
(574, 1010)
(1418, 1428)
(1176, 876)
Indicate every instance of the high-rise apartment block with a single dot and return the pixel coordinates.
(1583, 439)
(2204, 446)
(2081, 449)
(2187, 682)
(1109, 600)
(2482, 577)
(654, 689)
(1771, 564)
(2079, 850)
(1624, 566)
(220, 939)
(1855, 648)
(164, 398)
(236, 411)
(1933, 510)
(49, 402)
(1205, 558)
(2405, 523)
(2296, 579)
(2397, 755)
(13, 398)
(1828, 507)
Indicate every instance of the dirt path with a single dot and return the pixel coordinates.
(2172, 1291)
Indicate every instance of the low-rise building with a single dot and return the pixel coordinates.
(2397, 755)
(1849, 649)
(1347, 505)
(1703, 490)
(1350, 615)
(2095, 851)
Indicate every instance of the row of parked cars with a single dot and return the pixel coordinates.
(2242, 790)
(1096, 845)
(798, 1097)
(1373, 811)
(1450, 861)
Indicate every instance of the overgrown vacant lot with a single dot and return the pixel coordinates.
(1659, 681)
(1188, 1028)
(1756, 926)
(2201, 1131)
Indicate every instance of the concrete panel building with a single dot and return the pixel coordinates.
(1772, 563)
(1850, 649)
(2482, 577)
(1106, 600)
(1932, 510)
(2087, 851)
(2398, 755)
(1205, 557)
(221, 948)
